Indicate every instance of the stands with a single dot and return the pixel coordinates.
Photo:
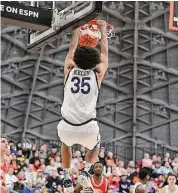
(39, 169)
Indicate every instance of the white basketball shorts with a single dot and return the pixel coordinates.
(86, 135)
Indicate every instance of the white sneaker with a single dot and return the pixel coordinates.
(68, 186)
(85, 182)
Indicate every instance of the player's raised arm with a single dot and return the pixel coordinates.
(69, 63)
(103, 66)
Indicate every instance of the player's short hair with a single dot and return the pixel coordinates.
(98, 162)
(143, 173)
(86, 57)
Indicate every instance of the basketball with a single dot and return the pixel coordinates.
(88, 40)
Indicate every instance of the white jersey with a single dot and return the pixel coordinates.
(136, 185)
(80, 96)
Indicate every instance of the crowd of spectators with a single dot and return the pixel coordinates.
(39, 170)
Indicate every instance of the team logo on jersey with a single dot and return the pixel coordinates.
(88, 190)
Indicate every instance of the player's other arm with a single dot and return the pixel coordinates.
(69, 63)
(103, 66)
(77, 189)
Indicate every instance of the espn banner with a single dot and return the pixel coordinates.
(173, 16)
(15, 13)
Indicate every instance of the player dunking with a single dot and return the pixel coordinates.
(98, 181)
(84, 71)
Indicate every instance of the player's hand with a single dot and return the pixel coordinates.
(77, 31)
(101, 24)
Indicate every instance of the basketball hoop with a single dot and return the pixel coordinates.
(92, 29)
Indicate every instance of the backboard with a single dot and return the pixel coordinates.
(67, 20)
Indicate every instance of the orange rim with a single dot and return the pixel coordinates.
(93, 22)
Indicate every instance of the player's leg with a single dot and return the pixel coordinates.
(84, 178)
(66, 155)
(91, 157)
(92, 143)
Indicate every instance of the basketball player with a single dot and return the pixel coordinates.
(98, 181)
(84, 71)
(3, 164)
(143, 178)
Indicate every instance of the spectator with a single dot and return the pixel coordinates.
(159, 158)
(75, 159)
(171, 187)
(151, 186)
(167, 168)
(40, 179)
(26, 163)
(51, 167)
(43, 168)
(53, 152)
(42, 161)
(113, 175)
(154, 159)
(146, 161)
(44, 190)
(35, 156)
(36, 165)
(167, 155)
(33, 149)
(110, 160)
(124, 186)
(19, 146)
(15, 165)
(83, 152)
(158, 168)
(43, 152)
(12, 149)
(53, 182)
(101, 157)
(57, 159)
(28, 181)
(10, 179)
(81, 163)
(27, 188)
(134, 178)
(175, 162)
(131, 167)
(114, 184)
(20, 156)
(160, 180)
(30, 174)
(120, 168)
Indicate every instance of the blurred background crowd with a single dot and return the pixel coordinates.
(39, 170)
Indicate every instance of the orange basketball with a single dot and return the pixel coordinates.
(87, 40)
